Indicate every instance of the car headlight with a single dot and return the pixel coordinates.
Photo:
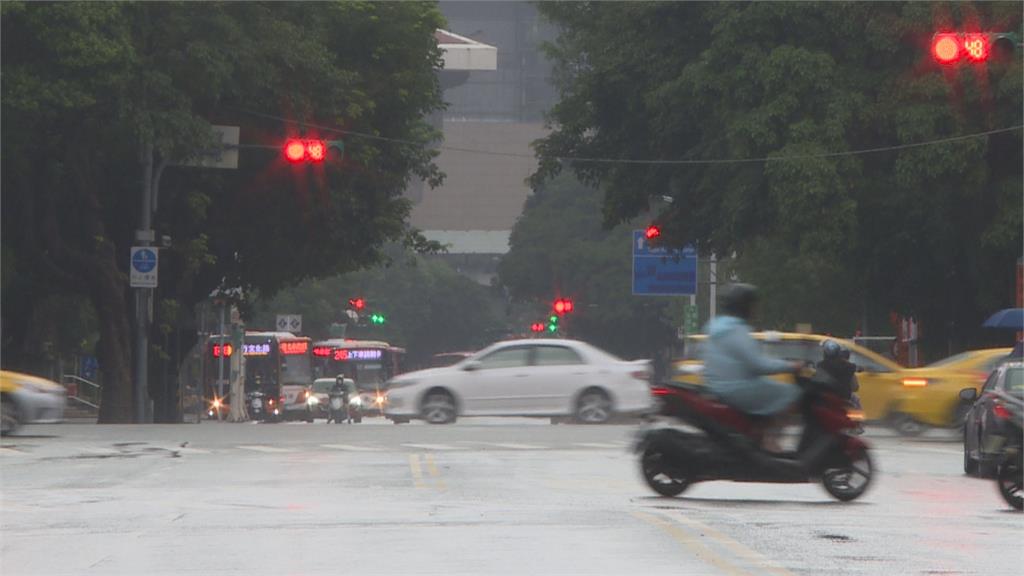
(357, 401)
(313, 400)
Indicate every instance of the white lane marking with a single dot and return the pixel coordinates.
(434, 446)
(350, 447)
(509, 445)
(268, 449)
(599, 444)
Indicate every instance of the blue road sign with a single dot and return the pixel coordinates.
(143, 267)
(144, 260)
(660, 271)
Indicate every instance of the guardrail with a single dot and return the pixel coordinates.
(82, 390)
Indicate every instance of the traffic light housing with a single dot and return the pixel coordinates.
(313, 150)
(955, 47)
(562, 305)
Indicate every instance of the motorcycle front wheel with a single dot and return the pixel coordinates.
(850, 481)
(660, 475)
(1010, 480)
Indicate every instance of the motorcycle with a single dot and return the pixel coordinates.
(257, 408)
(337, 406)
(1010, 475)
(727, 444)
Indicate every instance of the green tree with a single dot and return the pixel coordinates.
(931, 231)
(93, 92)
(560, 248)
(429, 307)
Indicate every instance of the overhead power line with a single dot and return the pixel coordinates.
(581, 159)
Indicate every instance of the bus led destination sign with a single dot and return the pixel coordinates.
(294, 347)
(343, 355)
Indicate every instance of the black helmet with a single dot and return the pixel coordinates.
(831, 349)
(738, 300)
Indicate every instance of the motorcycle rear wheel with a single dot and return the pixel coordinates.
(664, 479)
(1010, 478)
(851, 481)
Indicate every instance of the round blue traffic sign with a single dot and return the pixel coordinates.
(144, 260)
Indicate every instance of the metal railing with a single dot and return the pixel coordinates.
(82, 390)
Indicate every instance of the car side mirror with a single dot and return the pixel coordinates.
(471, 366)
(969, 394)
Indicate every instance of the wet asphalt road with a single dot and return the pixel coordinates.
(485, 496)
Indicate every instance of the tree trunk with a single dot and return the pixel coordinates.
(114, 348)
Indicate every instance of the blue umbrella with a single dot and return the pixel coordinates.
(1009, 318)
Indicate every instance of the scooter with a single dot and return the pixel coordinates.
(1010, 476)
(337, 406)
(727, 444)
(257, 409)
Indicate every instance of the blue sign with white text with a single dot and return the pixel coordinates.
(660, 271)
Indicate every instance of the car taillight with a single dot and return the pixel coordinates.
(915, 382)
(1001, 412)
(659, 391)
(281, 400)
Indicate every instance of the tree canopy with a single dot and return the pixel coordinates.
(91, 88)
(770, 102)
(559, 248)
(429, 307)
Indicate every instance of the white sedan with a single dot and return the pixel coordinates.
(535, 377)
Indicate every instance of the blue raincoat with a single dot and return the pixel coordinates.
(734, 368)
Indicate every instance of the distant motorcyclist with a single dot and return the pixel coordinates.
(836, 364)
(735, 368)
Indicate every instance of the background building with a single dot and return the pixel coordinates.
(492, 118)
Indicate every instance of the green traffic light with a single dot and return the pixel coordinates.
(553, 319)
(377, 318)
(552, 327)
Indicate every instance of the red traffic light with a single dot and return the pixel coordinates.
(537, 327)
(296, 150)
(652, 232)
(559, 306)
(357, 303)
(562, 305)
(950, 47)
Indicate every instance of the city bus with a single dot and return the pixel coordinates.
(370, 363)
(278, 364)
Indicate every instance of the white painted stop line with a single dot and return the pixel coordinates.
(350, 447)
(434, 446)
(268, 449)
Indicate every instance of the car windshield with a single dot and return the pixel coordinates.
(323, 386)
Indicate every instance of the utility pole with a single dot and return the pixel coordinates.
(143, 306)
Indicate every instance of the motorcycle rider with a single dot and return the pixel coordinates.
(836, 365)
(338, 389)
(734, 367)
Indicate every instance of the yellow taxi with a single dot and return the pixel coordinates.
(27, 399)
(881, 379)
(931, 395)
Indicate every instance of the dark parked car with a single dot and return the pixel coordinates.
(991, 418)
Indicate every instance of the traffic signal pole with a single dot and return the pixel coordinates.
(144, 236)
